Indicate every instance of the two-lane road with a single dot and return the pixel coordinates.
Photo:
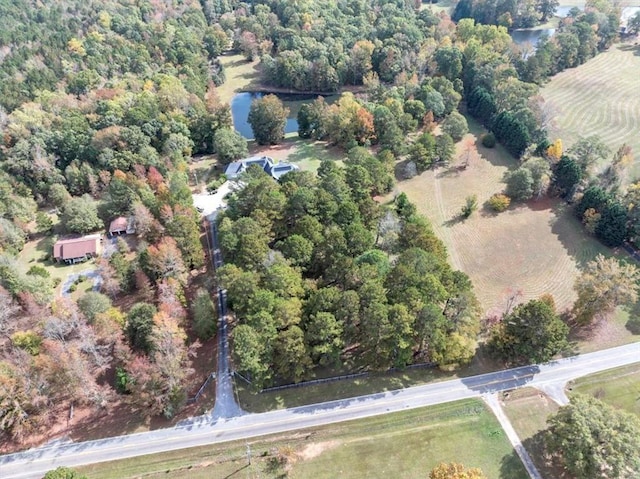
(202, 431)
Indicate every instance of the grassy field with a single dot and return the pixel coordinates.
(600, 97)
(406, 444)
(619, 387)
(532, 248)
(528, 410)
(240, 74)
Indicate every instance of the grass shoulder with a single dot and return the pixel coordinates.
(619, 387)
(405, 444)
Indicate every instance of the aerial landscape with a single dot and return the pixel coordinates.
(320, 239)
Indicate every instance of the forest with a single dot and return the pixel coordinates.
(103, 104)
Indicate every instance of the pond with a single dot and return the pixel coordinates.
(241, 103)
(530, 35)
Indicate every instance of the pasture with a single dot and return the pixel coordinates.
(405, 444)
(600, 97)
(529, 250)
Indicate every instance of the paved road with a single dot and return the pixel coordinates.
(203, 431)
(226, 405)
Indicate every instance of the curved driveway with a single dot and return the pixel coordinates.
(204, 431)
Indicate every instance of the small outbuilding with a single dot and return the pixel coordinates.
(77, 250)
(122, 225)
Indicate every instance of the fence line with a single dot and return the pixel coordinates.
(342, 377)
(204, 385)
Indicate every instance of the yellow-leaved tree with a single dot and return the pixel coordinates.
(455, 471)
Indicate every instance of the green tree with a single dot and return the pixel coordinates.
(204, 315)
(58, 195)
(229, 145)
(268, 117)
(567, 175)
(92, 304)
(604, 285)
(633, 24)
(80, 215)
(531, 333)
(140, 326)
(594, 440)
(251, 355)
(423, 151)
(44, 223)
(520, 184)
(455, 125)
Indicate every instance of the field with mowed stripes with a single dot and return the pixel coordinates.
(601, 97)
(532, 249)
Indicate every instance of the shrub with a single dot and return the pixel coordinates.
(27, 340)
(37, 270)
(489, 140)
(471, 204)
(92, 303)
(499, 202)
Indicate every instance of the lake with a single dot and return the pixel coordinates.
(241, 103)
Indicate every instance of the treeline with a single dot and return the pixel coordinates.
(323, 45)
(319, 275)
(506, 13)
(86, 44)
(580, 37)
(604, 201)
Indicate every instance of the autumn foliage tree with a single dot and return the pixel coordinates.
(605, 284)
(455, 471)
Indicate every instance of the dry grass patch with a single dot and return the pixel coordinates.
(532, 248)
(240, 74)
(600, 98)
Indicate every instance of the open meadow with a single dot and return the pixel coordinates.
(406, 444)
(600, 97)
(530, 249)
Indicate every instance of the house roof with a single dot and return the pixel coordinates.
(275, 170)
(281, 169)
(76, 248)
(118, 224)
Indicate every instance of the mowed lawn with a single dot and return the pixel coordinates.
(406, 444)
(619, 387)
(600, 97)
(533, 248)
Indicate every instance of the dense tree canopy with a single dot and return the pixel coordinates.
(531, 333)
(306, 279)
(595, 440)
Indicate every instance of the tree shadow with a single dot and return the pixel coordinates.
(578, 244)
(633, 324)
(459, 218)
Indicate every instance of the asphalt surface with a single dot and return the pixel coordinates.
(204, 430)
(225, 405)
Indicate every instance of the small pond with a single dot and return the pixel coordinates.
(530, 35)
(241, 103)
